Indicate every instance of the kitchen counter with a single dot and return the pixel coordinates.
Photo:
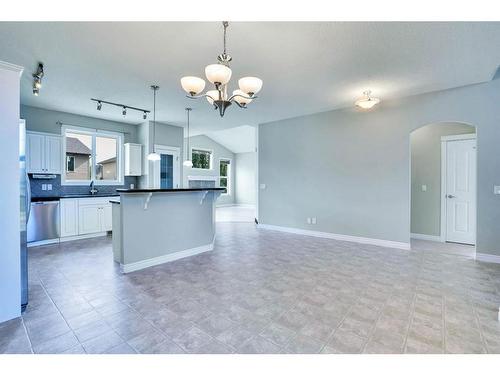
(58, 197)
(155, 226)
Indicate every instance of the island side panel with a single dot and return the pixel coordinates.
(172, 222)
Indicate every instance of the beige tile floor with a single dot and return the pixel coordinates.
(259, 292)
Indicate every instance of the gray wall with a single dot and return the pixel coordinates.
(219, 151)
(44, 120)
(246, 188)
(351, 168)
(426, 170)
(10, 266)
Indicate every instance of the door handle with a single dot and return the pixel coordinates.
(450, 196)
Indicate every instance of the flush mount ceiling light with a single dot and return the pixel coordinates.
(37, 79)
(219, 74)
(188, 163)
(367, 102)
(153, 156)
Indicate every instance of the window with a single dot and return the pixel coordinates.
(225, 175)
(202, 159)
(92, 155)
(70, 163)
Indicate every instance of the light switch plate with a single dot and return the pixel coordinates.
(308, 220)
(49, 186)
(424, 187)
(496, 189)
(44, 186)
(262, 186)
(313, 220)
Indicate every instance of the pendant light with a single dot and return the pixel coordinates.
(153, 156)
(367, 101)
(188, 163)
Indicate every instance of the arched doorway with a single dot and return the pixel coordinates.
(443, 175)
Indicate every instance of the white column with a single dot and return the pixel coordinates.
(10, 261)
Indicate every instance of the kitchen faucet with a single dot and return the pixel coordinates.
(93, 190)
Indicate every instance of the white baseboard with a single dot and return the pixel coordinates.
(482, 257)
(126, 268)
(42, 243)
(339, 237)
(83, 236)
(426, 237)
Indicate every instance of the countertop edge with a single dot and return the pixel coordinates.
(131, 191)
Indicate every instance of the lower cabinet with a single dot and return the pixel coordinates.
(85, 216)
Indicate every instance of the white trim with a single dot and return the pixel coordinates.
(458, 137)
(339, 237)
(202, 178)
(489, 258)
(12, 67)
(83, 236)
(176, 164)
(43, 242)
(130, 267)
(228, 177)
(426, 237)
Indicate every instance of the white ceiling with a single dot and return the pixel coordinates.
(306, 66)
(237, 139)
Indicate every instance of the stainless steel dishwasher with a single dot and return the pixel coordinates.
(43, 222)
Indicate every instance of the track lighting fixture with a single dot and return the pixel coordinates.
(37, 79)
(124, 107)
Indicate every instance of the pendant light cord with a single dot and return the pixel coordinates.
(187, 151)
(225, 24)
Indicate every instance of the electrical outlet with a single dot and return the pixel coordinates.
(496, 190)
(132, 186)
(313, 220)
(262, 186)
(49, 186)
(308, 220)
(44, 186)
(424, 187)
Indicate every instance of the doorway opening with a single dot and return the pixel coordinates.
(167, 169)
(443, 186)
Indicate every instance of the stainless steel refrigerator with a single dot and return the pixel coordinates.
(25, 212)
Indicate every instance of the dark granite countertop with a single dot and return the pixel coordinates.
(57, 197)
(167, 190)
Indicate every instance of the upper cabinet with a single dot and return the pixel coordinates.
(43, 153)
(133, 159)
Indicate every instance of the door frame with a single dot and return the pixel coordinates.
(168, 150)
(444, 142)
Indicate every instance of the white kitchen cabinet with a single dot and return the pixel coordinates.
(107, 216)
(94, 215)
(133, 159)
(69, 217)
(43, 153)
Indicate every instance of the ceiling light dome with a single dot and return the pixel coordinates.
(218, 73)
(367, 102)
(241, 97)
(250, 85)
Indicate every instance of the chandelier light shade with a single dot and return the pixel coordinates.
(367, 101)
(192, 85)
(250, 85)
(219, 75)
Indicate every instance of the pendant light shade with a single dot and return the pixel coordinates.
(153, 156)
(192, 85)
(218, 73)
(212, 95)
(250, 85)
(188, 163)
(241, 97)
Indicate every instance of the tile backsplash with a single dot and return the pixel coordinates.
(58, 189)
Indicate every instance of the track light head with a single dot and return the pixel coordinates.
(124, 112)
(99, 106)
(145, 115)
(36, 91)
(37, 79)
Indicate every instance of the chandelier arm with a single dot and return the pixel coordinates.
(198, 96)
(241, 96)
(241, 106)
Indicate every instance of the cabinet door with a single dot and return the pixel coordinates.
(89, 218)
(53, 151)
(35, 146)
(69, 217)
(107, 218)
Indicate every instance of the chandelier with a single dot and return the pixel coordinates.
(219, 75)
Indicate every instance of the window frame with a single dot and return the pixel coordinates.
(94, 133)
(211, 161)
(228, 177)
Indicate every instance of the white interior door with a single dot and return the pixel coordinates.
(460, 193)
(167, 169)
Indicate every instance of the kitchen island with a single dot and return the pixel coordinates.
(155, 226)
